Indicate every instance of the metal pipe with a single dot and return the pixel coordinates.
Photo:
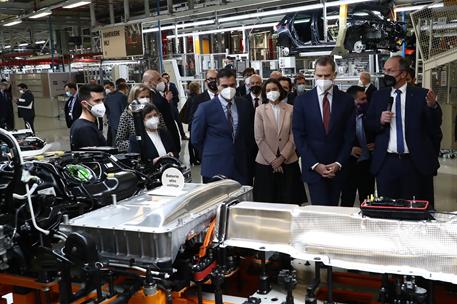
(111, 12)
(126, 10)
(170, 6)
(147, 9)
(159, 38)
(93, 20)
(51, 41)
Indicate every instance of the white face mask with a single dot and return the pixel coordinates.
(68, 93)
(143, 100)
(361, 84)
(21, 91)
(228, 93)
(152, 123)
(98, 110)
(324, 84)
(160, 86)
(273, 95)
(107, 91)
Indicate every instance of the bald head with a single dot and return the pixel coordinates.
(365, 78)
(212, 73)
(276, 75)
(255, 80)
(151, 78)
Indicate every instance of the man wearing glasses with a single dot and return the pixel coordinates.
(407, 123)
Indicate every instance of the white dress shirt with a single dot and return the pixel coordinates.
(320, 95)
(254, 97)
(211, 95)
(392, 147)
(157, 141)
(276, 113)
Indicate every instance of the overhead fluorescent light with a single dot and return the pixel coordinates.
(23, 44)
(416, 7)
(7, 47)
(229, 29)
(40, 42)
(182, 25)
(40, 15)
(13, 22)
(289, 10)
(76, 4)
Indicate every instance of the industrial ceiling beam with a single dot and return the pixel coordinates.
(208, 11)
(126, 11)
(170, 6)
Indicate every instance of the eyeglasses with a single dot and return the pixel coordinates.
(211, 79)
(391, 71)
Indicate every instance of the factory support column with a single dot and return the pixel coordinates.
(126, 11)
(111, 12)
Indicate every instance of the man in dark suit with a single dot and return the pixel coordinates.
(155, 83)
(208, 94)
(365, 82)
(244, 87)
(72, 106)
(115, 103)
(26, 106)
(324, 128)
(357, 176)
(171, 87)
(223, 132)
(255, 95)
(407, 124)
(286, 84)
(6, 107)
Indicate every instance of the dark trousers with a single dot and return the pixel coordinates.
(357, 177)
(175, 113)
(325, 192)
(193, 154)
(399, 178)
(111, 136)
(28, 122)
(284, 188)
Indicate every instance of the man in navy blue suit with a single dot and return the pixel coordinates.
(323, 126)
(407, 123)
(223, 133)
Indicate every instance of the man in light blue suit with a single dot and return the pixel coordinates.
(223, 133)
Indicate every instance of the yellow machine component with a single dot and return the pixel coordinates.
(339, 47)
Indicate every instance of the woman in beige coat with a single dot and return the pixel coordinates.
(277, 173)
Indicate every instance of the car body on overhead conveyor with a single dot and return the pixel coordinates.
(366, 31)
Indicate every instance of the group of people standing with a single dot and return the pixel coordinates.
(88, 105)
(346, 140)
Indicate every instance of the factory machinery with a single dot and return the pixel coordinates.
(84, 227)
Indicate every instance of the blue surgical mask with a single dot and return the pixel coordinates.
(68, 93)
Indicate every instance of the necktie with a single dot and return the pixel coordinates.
(360, 133)
(326, 113)
(256, 101)
(399, 124)
(229, 116)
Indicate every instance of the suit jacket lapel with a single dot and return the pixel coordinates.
(282, 116)
(335, 109)
(221, 113)
(271, 115)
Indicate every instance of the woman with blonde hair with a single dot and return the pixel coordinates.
(126, 127)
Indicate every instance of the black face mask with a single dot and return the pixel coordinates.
(212, 85)
(256, 90)
(389, 81)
